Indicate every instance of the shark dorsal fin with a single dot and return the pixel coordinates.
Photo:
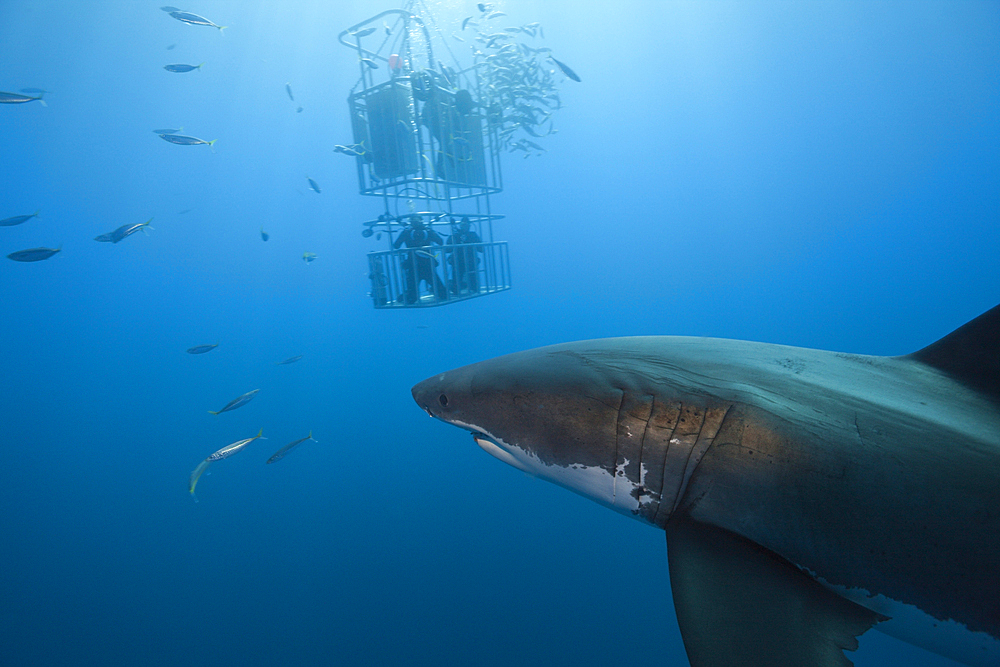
(970, 353)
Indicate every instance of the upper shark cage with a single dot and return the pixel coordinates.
(428, 145)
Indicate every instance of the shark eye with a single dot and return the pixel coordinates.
(443, 400)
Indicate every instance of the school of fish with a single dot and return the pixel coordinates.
(517, 92)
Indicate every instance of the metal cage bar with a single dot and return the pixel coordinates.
(437, 275)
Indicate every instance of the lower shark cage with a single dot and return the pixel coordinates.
(437, 275)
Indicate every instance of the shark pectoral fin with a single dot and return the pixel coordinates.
(738, 603)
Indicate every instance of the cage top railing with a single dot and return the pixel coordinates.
(387, 222)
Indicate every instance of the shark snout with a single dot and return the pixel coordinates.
(429, 393)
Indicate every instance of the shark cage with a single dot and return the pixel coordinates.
(426, 146)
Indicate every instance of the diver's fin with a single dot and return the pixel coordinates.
(738, 603)
(970, 353)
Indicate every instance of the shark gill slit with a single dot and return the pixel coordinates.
(618, 435)
(663, 471)
(704, 431)
(642, 450)
(687, 461)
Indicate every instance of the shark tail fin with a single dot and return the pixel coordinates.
(970, 353)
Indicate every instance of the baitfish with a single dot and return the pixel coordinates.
(17, 220)
(201, 349)
(280, 454)
(194, 19)
(288, 89)
(566, 69)
(14, 98)
(313, 185)
(33, 254)
(363, 33)
(223, 453)
(184, 140)
(264, 235)
(236, 402)
(308, 257)
(229, 450)
(179, 67)
(168, 131)
(123, 232)
(289, 360)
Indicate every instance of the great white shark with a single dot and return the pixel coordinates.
(806, 495)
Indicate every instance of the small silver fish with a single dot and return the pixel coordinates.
(17, 220)
(14, 98)
(180, 67)
(363, 33)
(371, 63)
(280, 454)
(288, 89)
(33, 254)
(193, 19)
(237, 402)
(264, 235)
(223, 453)
(123, 232)
(168, 131)
(308, 257)
(566, 69)
(289, 360)
(184, 140)
(169, 9)
(231, 449)
(314, 185)
(201, 349)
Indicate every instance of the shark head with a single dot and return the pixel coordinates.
(571, 415)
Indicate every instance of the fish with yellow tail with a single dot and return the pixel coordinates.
(223, 453)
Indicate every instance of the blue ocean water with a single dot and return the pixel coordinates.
(818, 174)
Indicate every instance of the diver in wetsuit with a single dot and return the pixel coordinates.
(419, 262)
(464, 259)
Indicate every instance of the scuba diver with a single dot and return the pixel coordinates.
(419, 263)
(445, 116)
(464, 259)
